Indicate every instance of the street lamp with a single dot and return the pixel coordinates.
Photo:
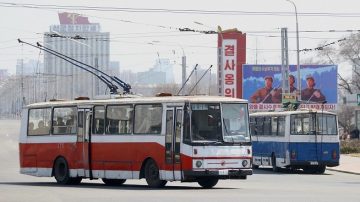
(297, 51)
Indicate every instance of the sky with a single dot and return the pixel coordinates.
(139, 37)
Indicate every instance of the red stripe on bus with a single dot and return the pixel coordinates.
(105, 156)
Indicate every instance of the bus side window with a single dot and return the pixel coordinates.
(38, 121)
(64, 120)
(119, 119)
(281, 126)
(274, 126)
(253, 130)
(31, 130)
(295, 125)
(259, 126)
(267, 126)
(148, 119)
(99, 120)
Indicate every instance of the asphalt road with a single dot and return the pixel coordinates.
(264, 185)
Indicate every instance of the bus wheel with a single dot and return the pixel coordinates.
(152, 175)
(61, 171)
(320, 169)
(208, 183)
(75, 180)
(273, 163)
(113, 182)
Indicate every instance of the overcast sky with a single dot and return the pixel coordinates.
(139, 38)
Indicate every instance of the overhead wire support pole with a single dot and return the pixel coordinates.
(202, 76)
(113, 88)
(187, 79)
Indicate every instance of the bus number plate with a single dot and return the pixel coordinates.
(223, 172)
(314, 163)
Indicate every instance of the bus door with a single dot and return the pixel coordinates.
(174, 117)
(315, 144)
(320, 129)
(83, 141)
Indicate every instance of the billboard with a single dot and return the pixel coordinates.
(229, 67)
(262, 86)
(231, 57)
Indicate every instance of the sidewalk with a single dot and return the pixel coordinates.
(348, 164)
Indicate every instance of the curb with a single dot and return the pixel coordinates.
(343, 171)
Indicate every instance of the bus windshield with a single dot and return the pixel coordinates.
(235, 118)
(207, 122)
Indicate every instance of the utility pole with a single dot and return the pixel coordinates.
(297, 51)
(22, 84)
(183, 72)
(284, 61)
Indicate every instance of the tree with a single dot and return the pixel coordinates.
(348, 51)
(345, 115)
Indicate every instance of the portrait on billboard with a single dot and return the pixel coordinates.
(266, 94)
(310, 93)
(262, 84)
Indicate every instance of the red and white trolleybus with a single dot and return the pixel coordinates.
(178, 138)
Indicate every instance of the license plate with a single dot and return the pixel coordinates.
(223, 172)
(314, 163)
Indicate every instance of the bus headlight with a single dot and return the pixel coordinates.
(198, 164)
(244, 163)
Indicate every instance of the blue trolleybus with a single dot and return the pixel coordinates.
(303, 139)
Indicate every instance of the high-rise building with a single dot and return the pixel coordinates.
(115, 68)
(28, 67)
(3, 74)
(77, 38)
(164, 65)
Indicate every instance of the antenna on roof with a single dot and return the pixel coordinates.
(199, 80)
(187, 79)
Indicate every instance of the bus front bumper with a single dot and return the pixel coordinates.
(220, 174)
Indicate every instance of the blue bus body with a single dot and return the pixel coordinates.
(305, 140)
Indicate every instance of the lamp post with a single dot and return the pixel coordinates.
(297, 51)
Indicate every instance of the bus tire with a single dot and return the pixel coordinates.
(273, 163)
(309, 170)
(320, 169)
(75, 180)
(61, 171)
(113, 182)
(152, 175)
(208, 183)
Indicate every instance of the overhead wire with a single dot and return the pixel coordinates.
(177, 11)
